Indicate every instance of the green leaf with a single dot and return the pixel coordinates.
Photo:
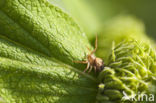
(42, 27)
(84, 15)
(38, 42)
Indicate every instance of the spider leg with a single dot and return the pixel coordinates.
(86, 68)
(95, 46)
(90, 69)
(83, 62)
(89, 49)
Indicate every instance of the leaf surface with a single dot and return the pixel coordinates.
(38, 43)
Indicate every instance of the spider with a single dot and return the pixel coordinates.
(92, 61)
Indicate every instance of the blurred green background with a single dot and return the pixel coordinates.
(92, 15)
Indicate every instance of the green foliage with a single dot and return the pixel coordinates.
(82, 13)
(107, 9)
(39, 42)
(118, 29)
(40, 26)
(130, 63)
(35, 38)
(131, 69)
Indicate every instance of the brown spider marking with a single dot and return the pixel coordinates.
(92, 61)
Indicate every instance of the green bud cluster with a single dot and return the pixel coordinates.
(131, 69)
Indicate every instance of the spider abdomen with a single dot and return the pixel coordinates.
(99, 64)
